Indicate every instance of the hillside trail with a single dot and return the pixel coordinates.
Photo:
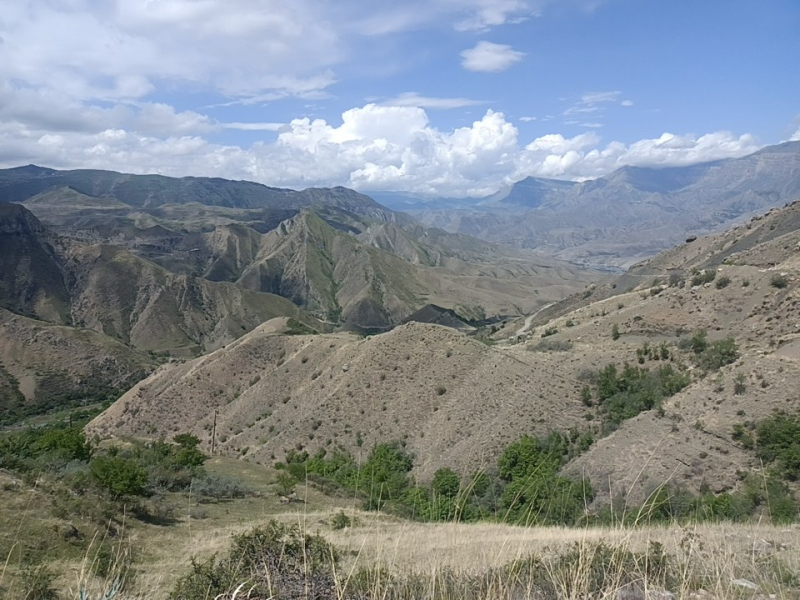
(529, 319)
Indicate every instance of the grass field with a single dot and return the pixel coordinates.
(410, 559)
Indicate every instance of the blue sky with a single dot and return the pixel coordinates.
(448, 97)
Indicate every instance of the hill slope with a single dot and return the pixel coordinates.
(457, 403)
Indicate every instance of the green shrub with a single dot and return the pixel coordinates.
(739, 385)
(274, 561)
(551, 346)
(446, 482)
(218, 487)
(119, 476)
(549, 331)
(623, 395)
(718, 354)
(778, 442)
(723, 282)
(340, 521)
(615, 332)
(703, 277)
(779, 281)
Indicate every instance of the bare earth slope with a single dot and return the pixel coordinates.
(51, 364)
(454, 400)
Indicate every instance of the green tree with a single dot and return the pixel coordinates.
(69, 444)
(120, 476)
(446, 483)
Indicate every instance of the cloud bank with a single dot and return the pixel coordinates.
(374, 148)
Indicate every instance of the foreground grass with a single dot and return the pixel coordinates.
(383, 557)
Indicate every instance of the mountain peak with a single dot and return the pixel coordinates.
(16, 219)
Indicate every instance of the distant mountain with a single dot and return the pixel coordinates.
(336, 253)
(629, 214)
(151, 191)
(366, 274)
(111, 291)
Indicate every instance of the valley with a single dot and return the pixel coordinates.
(389, 386)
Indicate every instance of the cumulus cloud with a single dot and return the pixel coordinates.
(374, 147)
(795, 137)
(487, 57)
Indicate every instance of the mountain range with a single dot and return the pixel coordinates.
(125, 276)
(624, 217)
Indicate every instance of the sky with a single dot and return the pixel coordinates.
(432, 97)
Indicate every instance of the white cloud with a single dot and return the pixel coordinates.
(795, 137)
(119, 49)
(626, 103)
(487, 57)
(591, 98)
(527, 119)
(592, 103)
(254, 126)
(373, 148)
(491, 13)
(414, 99)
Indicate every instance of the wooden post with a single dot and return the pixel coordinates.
(214, 434)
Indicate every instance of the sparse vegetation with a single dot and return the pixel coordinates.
(551, 346)
(623, 394)
(295, 327)
(703, 277)
(779, 280)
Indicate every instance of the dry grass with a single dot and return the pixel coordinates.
(706, 558)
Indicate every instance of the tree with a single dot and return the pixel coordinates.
(446, 483)
(615, 332)
(285, 483)
(120, 476)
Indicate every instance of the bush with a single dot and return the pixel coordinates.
(779, 281)
(119, 476)
(551, 346)
(275, 561)
(615, 332)
(549, 331)
(340, 521)
(446, 482)
(718, 354)
(625, 394)
(218, 487)
(779, 443)
(739, 385)
(703, 277)
(723, 282)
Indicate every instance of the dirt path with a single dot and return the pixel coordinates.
(529, 319)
